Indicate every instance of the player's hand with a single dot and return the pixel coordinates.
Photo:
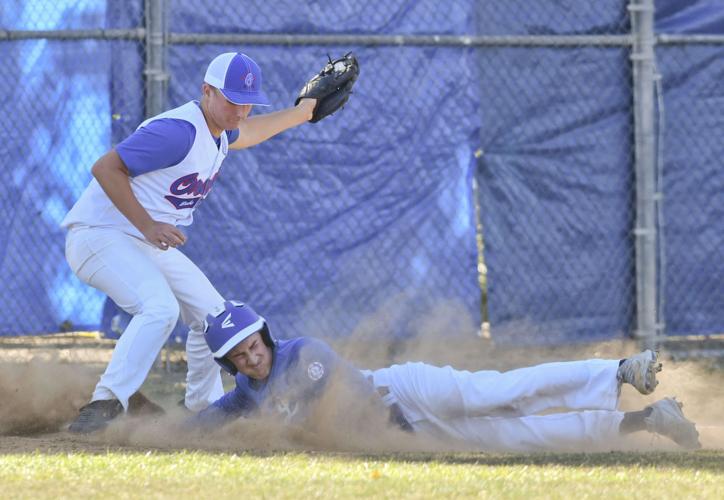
(164, 236)
(308, 105)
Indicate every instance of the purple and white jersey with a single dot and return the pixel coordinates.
(173, 161)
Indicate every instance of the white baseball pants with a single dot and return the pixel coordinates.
(154, 286)
(496, 411)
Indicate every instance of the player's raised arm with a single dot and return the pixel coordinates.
(232, 85)
(256, 129)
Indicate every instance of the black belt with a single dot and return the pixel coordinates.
(397, 417)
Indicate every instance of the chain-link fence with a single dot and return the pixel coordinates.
(530, 130)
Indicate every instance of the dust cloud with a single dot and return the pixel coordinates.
(41, 396)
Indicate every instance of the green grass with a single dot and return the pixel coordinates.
(186, 474)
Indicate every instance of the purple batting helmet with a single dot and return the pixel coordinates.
(226, 329)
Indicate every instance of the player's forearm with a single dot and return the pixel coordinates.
(257, 129)
(211, 418)
(112, 175)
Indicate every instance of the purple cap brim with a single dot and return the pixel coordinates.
(257, 98)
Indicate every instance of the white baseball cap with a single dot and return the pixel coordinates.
(238, 77)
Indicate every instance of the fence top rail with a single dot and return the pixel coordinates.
(665, 39)
(338, 39)
(368, 40)
(97, 34)
(401, 40)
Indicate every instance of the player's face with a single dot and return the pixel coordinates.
(252, 357)
(224, 114)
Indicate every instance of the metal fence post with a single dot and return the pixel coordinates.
(645, 230)
(156, 84)
(154, 71)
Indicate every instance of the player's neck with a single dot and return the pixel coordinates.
(213, 128)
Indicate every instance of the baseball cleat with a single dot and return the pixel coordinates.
(95, 416)
(667, 419)
(640, 371)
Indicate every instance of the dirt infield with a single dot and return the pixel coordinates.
(43, 382)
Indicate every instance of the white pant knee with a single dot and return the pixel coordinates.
(161, 309)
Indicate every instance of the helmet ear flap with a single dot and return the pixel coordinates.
(266, 336)
(227, 365)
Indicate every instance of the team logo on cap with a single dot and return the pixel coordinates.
(249, 80)
(315, 371)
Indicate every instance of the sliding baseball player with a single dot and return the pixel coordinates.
(488, 410)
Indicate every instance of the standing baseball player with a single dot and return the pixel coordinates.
(123, 233)
(486, 410)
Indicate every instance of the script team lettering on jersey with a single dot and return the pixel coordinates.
(189, 185)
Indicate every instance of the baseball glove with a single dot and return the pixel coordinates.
(331, 86)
